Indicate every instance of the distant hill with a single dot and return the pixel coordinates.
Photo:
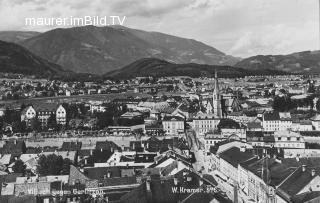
(159, 68)
(16, 59)
(301, 62)
(99, 50)
(16, 36)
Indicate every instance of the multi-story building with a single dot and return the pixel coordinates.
(173, 125)
(48, 110)
(285, 121)
(239, 133)
(274, 121)
(270, 121)
(211, 139)
(316, 122)
(27, 115)
(61, 115)
(204, 123)
(289, 139)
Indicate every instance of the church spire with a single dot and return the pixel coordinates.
(217, 111)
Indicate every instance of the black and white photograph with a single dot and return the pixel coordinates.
(159, 101)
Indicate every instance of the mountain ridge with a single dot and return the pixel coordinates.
(305, 62)
(160, 68)
(17, 59)
(97, 50)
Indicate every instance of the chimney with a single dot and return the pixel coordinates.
(133, 146)
(175, 181)
(242, 149)
(122, 147)
(200, 179)
(15, 142)
(304, 168)
(91, 152)
(108, 174)
(313, 172)
(148, 185)
(297, 158)
(85, 161)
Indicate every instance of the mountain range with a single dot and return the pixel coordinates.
(16, 36)
(160, 68)
(117, 51)
(98, 50)
(17, 59)
(307, 62)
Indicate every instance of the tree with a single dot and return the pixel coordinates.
(283, 104)
(50, 165)
(107, 118)
(318, 105)
(19, 166)
(66, 166)
(227, 123)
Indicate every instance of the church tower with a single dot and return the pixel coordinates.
(217, 111)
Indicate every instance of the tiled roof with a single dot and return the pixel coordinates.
(50, 107)
(107, 145)
(100, 172)
(71, 146)
(234, 156)
(76, 175)
(271, 116)
(315, 118)
(118, 181)
(296, 181)
(306, 197)
(254, 125)
(173, 118)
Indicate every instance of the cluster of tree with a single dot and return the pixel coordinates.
(318, 105)
(19, 166)
(285, 103)
(12, 117)
(75, 110)
(194, 106)
(227, 123)
(53, 165)
(107, 118)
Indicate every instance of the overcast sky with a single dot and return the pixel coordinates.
(237, 27)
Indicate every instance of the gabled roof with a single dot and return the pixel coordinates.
(234, 156)
(254, 125)
(315, 118)
(296, 181)
(50, 107)
(76, 175)
(118, 181)
(100, 172)
(173, 118)
(306, 197)
(107, 145)
(271, 116)
(71, 146)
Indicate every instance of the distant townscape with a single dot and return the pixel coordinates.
(152, 118)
